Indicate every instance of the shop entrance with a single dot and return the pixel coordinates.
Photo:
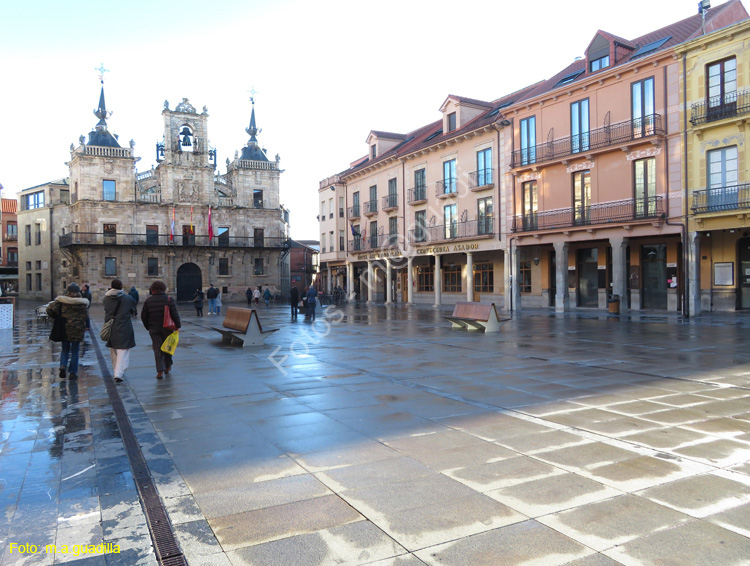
(588, 277)
(654, 261)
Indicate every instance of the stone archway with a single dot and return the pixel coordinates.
(188, 280)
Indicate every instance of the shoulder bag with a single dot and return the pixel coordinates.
(106, 330)
(168, 323)
(57, 334)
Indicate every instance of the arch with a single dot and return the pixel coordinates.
(189, 278)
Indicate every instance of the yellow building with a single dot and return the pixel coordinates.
(716, 106)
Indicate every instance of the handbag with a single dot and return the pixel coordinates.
(301, 304)
(106, 330)
(57, 334)
(168, 322)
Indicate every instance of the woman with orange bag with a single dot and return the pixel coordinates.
(152, 316)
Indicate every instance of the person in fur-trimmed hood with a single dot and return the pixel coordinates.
(71, 307)
(121, 307)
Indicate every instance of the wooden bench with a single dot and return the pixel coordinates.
(243, 326)
(474, 316)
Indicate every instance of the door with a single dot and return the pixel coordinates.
(552, 278)
(743, 256)
(588, 277)
(404, 285)
(654, 276)
(188, 280)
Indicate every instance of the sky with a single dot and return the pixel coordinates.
(324, 74)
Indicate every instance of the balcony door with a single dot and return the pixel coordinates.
(450, 220)
(579, 126)
(528, 140)
(721, 86)
(581, 197)
(642, 97)
(722, 171)
(449, 176)
(645, 187)
(484, 216)
(529, 196)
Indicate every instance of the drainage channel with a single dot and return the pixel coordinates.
(167, 550)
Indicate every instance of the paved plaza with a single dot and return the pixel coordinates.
(381, 436)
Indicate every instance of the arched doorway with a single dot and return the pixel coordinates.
(188, 280)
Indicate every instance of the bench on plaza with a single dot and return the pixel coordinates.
(474, 316)
(243, 326)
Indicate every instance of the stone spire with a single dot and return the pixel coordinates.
(100, 136)
(252, 151)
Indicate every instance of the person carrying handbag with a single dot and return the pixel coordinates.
(119, 307)
(69, 327)
(152, 316)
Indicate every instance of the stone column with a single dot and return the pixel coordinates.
(515, 277)
(388, 283)
(409, 281)
(619, 276)
(469, 277)
(562, 298)
(329, 284)
(437, 281)
(507, 281)
(694, 273)
(349, 279)
(370, 281)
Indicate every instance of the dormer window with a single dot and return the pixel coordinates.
(451, 119)
(599, 63)
(373, 151)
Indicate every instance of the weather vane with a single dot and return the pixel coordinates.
(252, 92)
(101, 70)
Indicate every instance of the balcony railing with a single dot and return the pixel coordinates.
(481, 179)
(370, 207)
(445, 187)
(10, 237)
(621, 132)
(153, 196)
(718, 108)
(721, 198)
(390, 202)
(452, 231)
(373, 242)
(354, 211)
(417, 194)
(622, 211)
(163, 240)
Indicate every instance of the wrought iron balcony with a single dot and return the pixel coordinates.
(73, 239)
(445, 188)
(614, 134)
(354, 211)
(718, 108)
(721, 198)
(390, 202)
(482, 179)
(417, 195)
(621, 211)
(451, 231)
(370, 207)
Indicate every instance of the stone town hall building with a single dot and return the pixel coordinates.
(181, 222)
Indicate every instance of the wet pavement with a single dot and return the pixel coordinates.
(379, 435)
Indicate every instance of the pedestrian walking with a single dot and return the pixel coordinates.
(311, 295)
(152, 316)
(120, 306)
(304, 301)
(86, 294)
(71, 309)
(267, 296)
(198, 302)
(294, 301)
(218, 303)
(136, 297)
(211, 294)
(249, 296)
(256, 295)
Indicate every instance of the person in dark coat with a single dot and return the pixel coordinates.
(136, 297)
(72, 308)
(120, 306)
(152, 316)
(249, 295)
(211, 294)
(86, 294)
(198, 302)
(294, 301)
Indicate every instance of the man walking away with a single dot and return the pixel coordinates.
(311, 294)
(294, 301)
(136, 297)
(267, 296)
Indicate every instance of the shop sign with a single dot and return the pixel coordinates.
(448, 249)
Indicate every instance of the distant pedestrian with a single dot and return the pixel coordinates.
(311, 294)
(86, 294)
(152, 316)
(198, 302)
(136, 297)
(294, 301)
(267, 296)
(71, 307)
(211, 295)
(218, 303)
(120, 306)
(249, 296)
(256, 295)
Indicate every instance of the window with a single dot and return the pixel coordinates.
(28, 266)
(355, 204)
(581, 197)
(12, 257)
(258, 266)
(721, 87)
(484, 167)
(109, 190)
(27, 233)
(38, 281)
(188, 235)
(425, 279)
(373, 151)
(152, 235)
(357, 238)
(35, 200)
(644, 175)
(257, 198)
(372, 206)
(722, 174)
(452, 278)
(392, 193)
(341, 241)
(37, 234)
(420, 186)
(223, 236)
(322, 210)
(110, 266)
(28, 282)
(529, 205)
(484, 216)
(524, 276)
(341, 207)
(420, 221)
(484, 278)
(11, 231)
(450, 220)
(331, 241)
(393, 231)
(528, 140)
(600, 63)
(374, 234)
(449, 176)
(64, 196)
(38, 264)
(451, 122)
(223, 266)
(569, 78)
(330, 208)
(642, 93)
(323, 242)
(258, 237)
(153, 267)
(110, 234)
(579, 126)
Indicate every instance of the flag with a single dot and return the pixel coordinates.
(171, 230)
(354, 232)
(192, 231)
(210, 226)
